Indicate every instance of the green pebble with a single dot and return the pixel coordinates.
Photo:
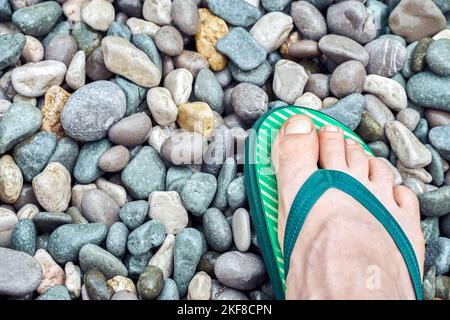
(96, 285)
(421, 131)
(236, 194)
(66, 153)
(430, 229)
(37, 20)
(438, 57)
(207, 89)
(135, 95)
(435, 168)
(92, 256)
(144, 43)
(86, 169)
(226, 176)
(5, 11)
(137, 264)
(151, 234)
(134, 213)
(86, 38)
(177, 172)
(217, 231)
(429, 90)
(12, 46)
(198, 192)
(116, 241)
(379, 149)
(420, 52)
(24, 237)
(42, 241)
(429, 284)
(119, 29)
(169, 291)
(150, 283)
(435, 203)
(58, 292)
(257, 76)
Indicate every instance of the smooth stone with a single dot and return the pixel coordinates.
(409, 118)
(341, 49)
(114, 159)
(145, 43)
(96, 285)
(73, 280)
(191, 61)
(249, 101)
(199, 287)
(46, 222)
(435, 168)
(183, 148)
(289, 80)
(169, 41)
(147, 236)
(348, 110)
(93, 257)
(348, 78)
(242, 271)
(387, 57)
(52, 274)
(407, 71)
(369, 129)
(23, 237)
(157, 11)
(163, 258)
(185, 16)
(5, 10)
(196, 117)
(387, 90)
(58, 292)
(76, 71)
(242, 49)
(309, 21)
(437, 118)
(124, 295)
(34, 79)
(98, 14)
(379, 148)
(131, 8)
(84, 117)
(241, 227)
(187, 253)
(86, 169)
(257, 76)
(435, 203)
(32, 154)
(78, 192)
(378, 110)
(8, 220)
(37, 20)
(217, 230)
(222, 292)
(61, 48)
(169, 290)
(99, 207)
(116, 241)
(226, 176)
(95, 66)
(136, 264)
(11, 180)
(208, 90)
(179, 83)
(236, 194)
(419, 173)
(161, 105)
(272, 30)
(144, 174)
(131, 131)
(140, 69)
(198, 193)
(13, 45)
(415, 19)
(150, 283)
(304, 49)
(20, 273)
(430, 229)
(353, 20)
(133, 213)
(437, 254)
(134, 95)
(236, 12)
(439, 139)
(416, 185)
(429, 90)
(66, 241)
(119, 29)
(442, 287)
(167, 208)
(319, 85)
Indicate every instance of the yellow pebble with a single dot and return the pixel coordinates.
(196, 117)
(119, 283)
(55, 100)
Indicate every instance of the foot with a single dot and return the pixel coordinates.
(342, 252)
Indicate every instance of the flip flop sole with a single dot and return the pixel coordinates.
(261, 185)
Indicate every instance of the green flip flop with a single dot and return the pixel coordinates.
(262, 193)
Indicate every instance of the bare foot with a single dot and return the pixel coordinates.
(343, 252)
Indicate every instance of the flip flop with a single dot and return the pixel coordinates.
(261, 186)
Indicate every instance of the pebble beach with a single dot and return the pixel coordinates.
(122, 126)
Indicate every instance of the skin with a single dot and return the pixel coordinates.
(342, 251)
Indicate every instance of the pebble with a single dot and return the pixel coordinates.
(134, 95)
(119, 283)
(217, 230)
(167, 208)
(430, 229)
(182, 148)
(138, 26)
(348, 110)
(52, 273)
(257, 76)
(46, 222)
(144, 174)
(37, 20)
(308, 20)
(92, 256)
(163, 258)
(116, 241)
(147, 236)
(191, 61)
(72, 280)
(99, 207)
(136, 264)
(55, 100)
(114, 159)
(435, 203)
(226, 176)
(353, 20)
(289, 81)
(387, 90)
(119, 52)
(409, 118)
(20, 273)
(348, 78)
(242, 271)
(150, 283)
(8, 220)
(272, 30)
(208, 90)
(419, 61)
(439, 139)
(435, 168)
(58, 292)
(133, 213)
(169, 291)
(236, 12)
(11, 180)
(185, 15)
(207, 262)
(95, 66)
(96, 285)
(13, 45)
(196, 117)
(236, 195)
(210, 30)
(98, 14)
(437, 118)
(179, 83)
(23, 237)
(119, 29)
(429, 90)
(198, 192)
(187, 253)
(387, 57)
(200, 287)
(437, 254)
(76, 71)
(161, 105)
(369, 129)
(131, 131)
(61, 48)
(242, 49)
(250, 102)
(241, 229)
(34, 79)
(28, 211)
(86, 169)
(169, 41)
(425, 16)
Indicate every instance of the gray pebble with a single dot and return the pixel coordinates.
(198, 192)
(435, 203)
(92, 256)
(437, 254)
(134, 213)
(217, 230)
(116, 241)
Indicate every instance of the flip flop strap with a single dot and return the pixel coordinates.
(316, 185)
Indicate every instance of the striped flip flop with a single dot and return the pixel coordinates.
(261, 186)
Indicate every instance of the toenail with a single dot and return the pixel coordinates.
(331, 129)
(351, 142)
(298, 126)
